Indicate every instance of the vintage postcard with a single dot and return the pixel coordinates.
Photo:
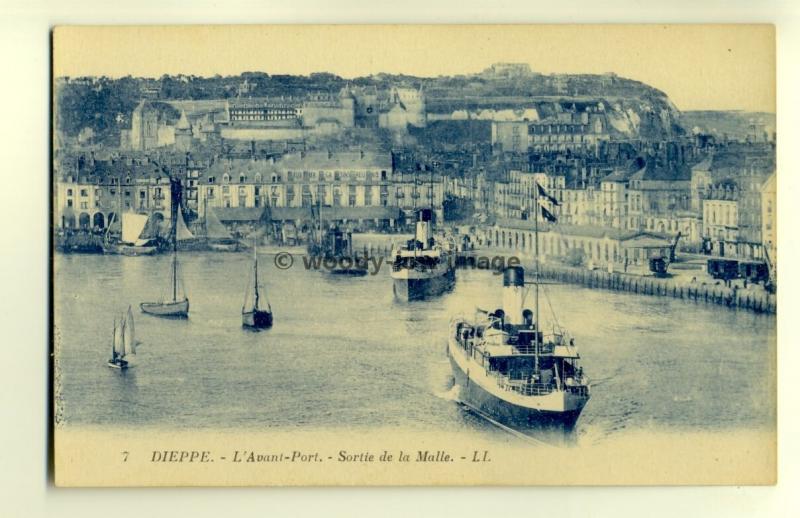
(414, 255)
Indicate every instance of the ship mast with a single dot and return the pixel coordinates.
(536, 279)
(255, 274)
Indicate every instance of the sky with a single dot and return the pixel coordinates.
(700, 67)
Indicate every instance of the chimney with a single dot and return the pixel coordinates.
(513, 294)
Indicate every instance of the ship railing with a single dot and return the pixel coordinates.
(544, 348)
(524, 387)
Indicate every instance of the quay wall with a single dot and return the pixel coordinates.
(757, 300)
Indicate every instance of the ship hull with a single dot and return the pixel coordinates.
(351, 272)
(177, 309)
(507, 413)
(130, 250)
(408, 289)
(257, 319)
(224, 247)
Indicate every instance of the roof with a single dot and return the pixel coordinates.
(240, 214)
(183, 123)
(103, 170)
(646, 240)
(619, 175)
(594, 231)
(335, 213)
(315, 160)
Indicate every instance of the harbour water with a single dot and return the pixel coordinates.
(344, 354)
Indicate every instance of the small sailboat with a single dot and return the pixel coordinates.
(219, 237)
(133, 239)
(254, 316)
(123, 342)
(173, 307)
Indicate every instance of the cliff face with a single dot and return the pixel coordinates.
(629, 109)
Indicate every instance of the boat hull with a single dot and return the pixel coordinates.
(352, 272)
(131, 250)
(507, 413)
(224, 247)
(117, 364)
(419, 288)
(177, 309)
(257, 319)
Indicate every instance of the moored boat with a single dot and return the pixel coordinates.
(332, 249)
(133, 240)
(218, 236)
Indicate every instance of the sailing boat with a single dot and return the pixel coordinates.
(123, 342)
(219, 238)
(131, 240)
(174, 307)
(255, 317)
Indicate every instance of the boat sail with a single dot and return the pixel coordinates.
(132, 239)
(182, 232)
(219, 237)
(132, 226)
(172, 306)
(123, 342)
(253, 314)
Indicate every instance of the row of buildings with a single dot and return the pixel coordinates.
(189, 124)
(723, 204)
(359, 188)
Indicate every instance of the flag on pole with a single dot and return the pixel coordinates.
(544, 194)
(547, 215)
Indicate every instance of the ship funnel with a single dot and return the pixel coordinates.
(424, 230)
(513, 294)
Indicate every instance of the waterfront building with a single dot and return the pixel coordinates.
(349, 186)
(594, 245)
(612, 200)
(769, 218)
(721, 218)
(95, 192)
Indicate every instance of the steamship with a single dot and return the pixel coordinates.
(422, 267)
(507, 367)
(510, 370)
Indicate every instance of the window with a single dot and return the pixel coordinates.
(69, 192)
(212, 179)
(84, 205)
(225, 189)
(83, 192)
(69, 203)
(210, 192)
